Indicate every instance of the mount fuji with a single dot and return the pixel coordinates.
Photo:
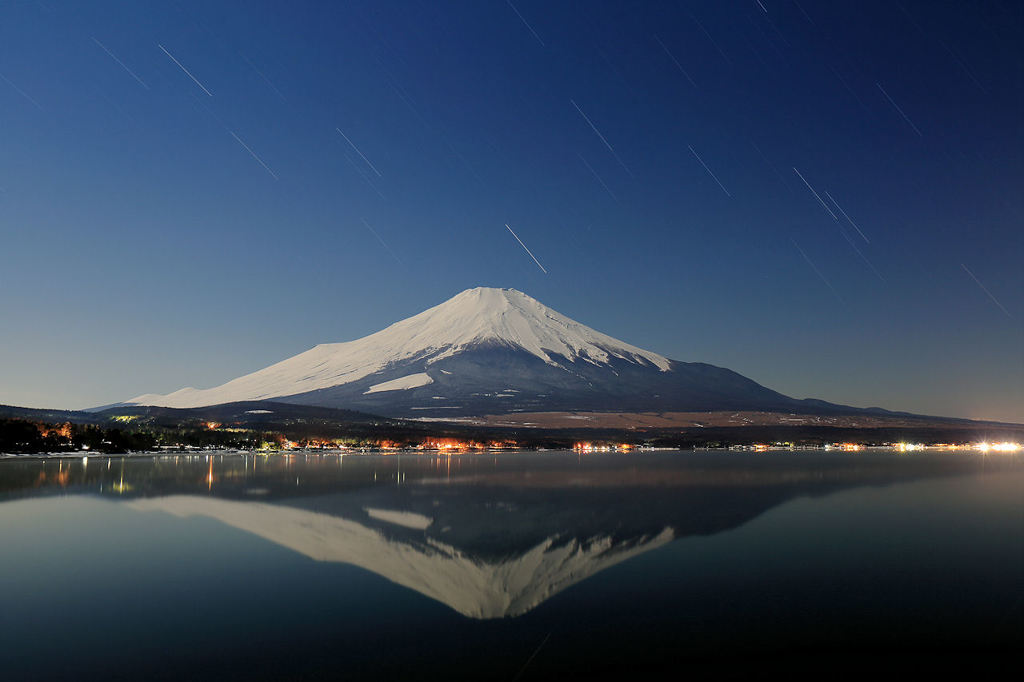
(491, 351)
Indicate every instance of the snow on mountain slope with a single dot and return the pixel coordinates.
(403, 383)
(475, 316)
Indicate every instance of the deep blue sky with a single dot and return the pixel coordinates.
(144, 248)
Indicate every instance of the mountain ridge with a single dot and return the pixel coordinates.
(491, 351)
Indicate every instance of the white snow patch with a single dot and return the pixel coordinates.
(411, 381)
(400, 518)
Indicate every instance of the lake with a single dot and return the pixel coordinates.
(511, 566)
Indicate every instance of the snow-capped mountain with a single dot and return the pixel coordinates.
(486, 351)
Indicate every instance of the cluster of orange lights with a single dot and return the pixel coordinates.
(602, 447)
(450, 444)
(62, 430)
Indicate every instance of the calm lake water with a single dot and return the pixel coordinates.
(511, 566)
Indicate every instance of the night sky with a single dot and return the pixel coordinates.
(823, 196)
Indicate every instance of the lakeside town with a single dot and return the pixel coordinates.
(20, 437)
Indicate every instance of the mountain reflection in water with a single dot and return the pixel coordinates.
(490, 536)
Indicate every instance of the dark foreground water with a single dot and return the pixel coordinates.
(516, 566)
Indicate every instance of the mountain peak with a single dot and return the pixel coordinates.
(489, 297)
(510, 317)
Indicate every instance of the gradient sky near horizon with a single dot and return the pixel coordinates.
(823, 196)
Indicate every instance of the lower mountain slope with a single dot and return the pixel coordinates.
(497, 379)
